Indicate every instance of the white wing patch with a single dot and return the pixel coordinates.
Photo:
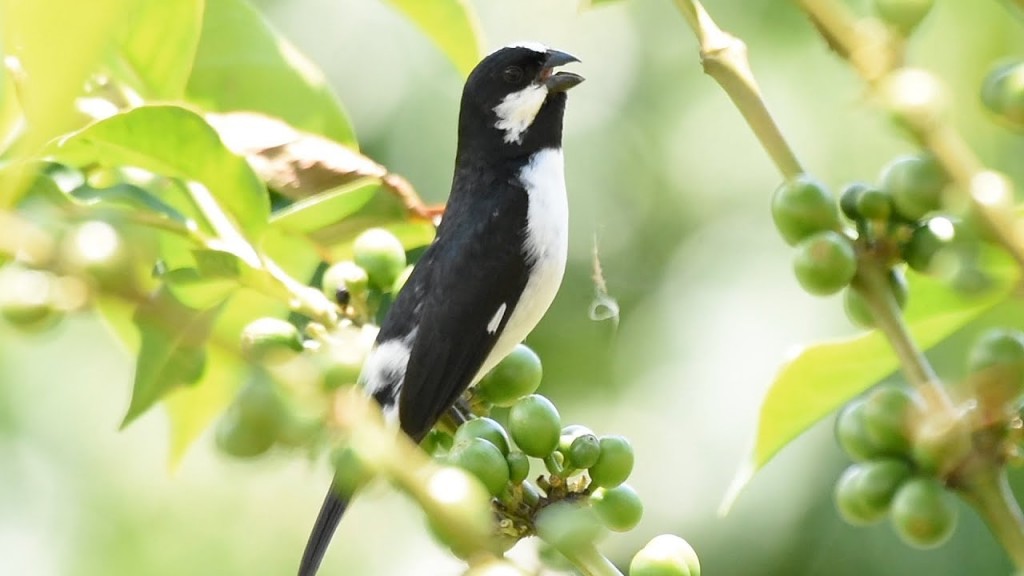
(547, 246)
(492, 326)
(517, 111)
(385, 361)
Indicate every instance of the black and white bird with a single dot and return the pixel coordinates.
(496, 262)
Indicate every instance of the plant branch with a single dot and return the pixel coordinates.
(873, 285)
(589, 561)
(724, 58)
(989, 493)
(873, 55)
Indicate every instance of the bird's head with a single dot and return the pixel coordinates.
(514, 100)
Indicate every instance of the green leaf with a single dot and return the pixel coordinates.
(319, 211)
(52, 48)
(176, 142)
(172, 352)
(192, 409)
(823, 377)
(127, 196)
(243, 64)
(157, 45)
(451, 25)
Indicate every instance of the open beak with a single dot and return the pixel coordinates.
(559, 81)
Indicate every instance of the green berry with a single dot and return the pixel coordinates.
(381, 254)
(569, 435)
(851, 432)
(568, 524)
(850, 502)
(485, 428)
(802, 207)
(619, 508)
(517, 375)
(874, 204)
(1002, 92)
(350, 471)
(518, 466)
(253, 421)
(996, 363)
(483, 460)
(903, 15)
(462, 501)
(915, 184)
(825, 263)
(27, 298)
(849, 200)
(341, 356)
(239, 438)
(96, 249)
(345, 276)
(584, 452)
(923, 513)
(534, 424)
(879, 480)
(615, 463)
(926, 241)
(269, 340)
(665, 555)
(888, 416)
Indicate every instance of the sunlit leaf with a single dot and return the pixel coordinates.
(244, 65)
(192, 409)
(176, 142)
(172, 351)
(450, 24)
(317, 212)
(50, 52)
(48, 75)
(822, 377)
(157, 45)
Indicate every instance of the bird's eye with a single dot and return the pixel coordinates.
(512, 74)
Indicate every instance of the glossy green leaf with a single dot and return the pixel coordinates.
(156, 46)
(243, 64)
(450, 24)
(822, 377)
(174, 141)
(172, 350)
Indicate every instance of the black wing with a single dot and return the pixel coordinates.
(476, 266)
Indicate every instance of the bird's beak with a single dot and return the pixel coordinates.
(560, 81)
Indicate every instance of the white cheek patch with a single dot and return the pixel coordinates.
(518, 110)
(492, 326)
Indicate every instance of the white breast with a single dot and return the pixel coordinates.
(546, 244)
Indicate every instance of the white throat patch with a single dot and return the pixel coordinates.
(518, 110)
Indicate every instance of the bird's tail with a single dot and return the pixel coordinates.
(327, 521)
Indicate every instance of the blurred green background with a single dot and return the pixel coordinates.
(665, 175)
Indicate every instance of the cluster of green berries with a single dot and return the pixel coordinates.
(78, 252)
(896, 224)
(892, 474)
(295, 373)
(907, 458)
